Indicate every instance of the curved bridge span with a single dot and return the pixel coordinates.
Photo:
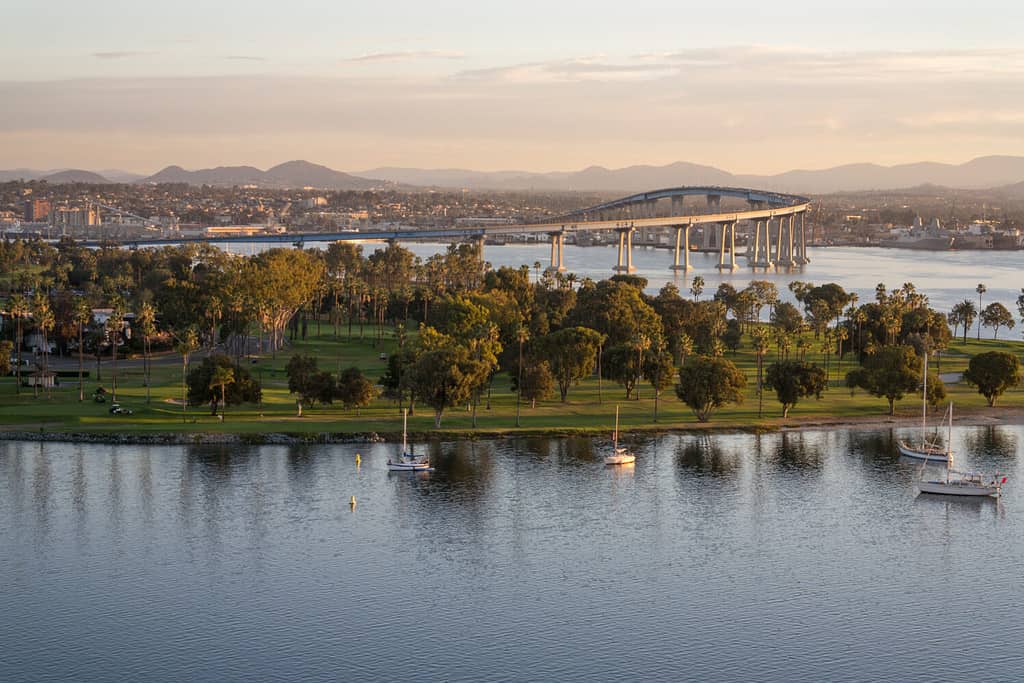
(774, 224)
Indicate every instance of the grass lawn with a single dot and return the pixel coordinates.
(585, 411)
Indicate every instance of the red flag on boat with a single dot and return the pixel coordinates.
(1003, 481)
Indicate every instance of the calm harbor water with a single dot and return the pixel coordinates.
(784, 557)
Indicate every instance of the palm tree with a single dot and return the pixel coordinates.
(536, 267)
(81, 314)
(696, 287)
(980, 289)
(187, 344)
(43, 315)
(18, 307)
(522, 334)
(761, 347)
(147, 326)
(115, 326)
(222, 377)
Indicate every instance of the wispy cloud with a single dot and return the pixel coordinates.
(404, 56)
(244, 58)
(121, 54)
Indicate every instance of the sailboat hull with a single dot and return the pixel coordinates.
(620, 459)
(958, 489)
(931, 455)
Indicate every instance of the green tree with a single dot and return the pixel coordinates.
(146, 324)
(980, 289)
(571, 353)
(81, 315)
(787, 317)
(697, 287)
(6, 349)
(733, 336)
(995, 316)
(115, 331)
(537, 382)
(793, 380)
(707, 383)
(222, 377)
(659, 371)
(993, 373)
(204, 384)
(761, 346)
(446, 376)
(354, 390)
(964, 314)
(888, 373)
(18, 307)
(187, 343)
(42, 314)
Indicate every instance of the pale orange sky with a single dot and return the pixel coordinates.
(536, 87)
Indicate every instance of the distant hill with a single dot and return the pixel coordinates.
(1003, 172)
(292, 174)
(983, 172)
(75, 175)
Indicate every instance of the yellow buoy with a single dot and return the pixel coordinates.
(352, 502)
(359, 460)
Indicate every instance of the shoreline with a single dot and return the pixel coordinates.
(992, 417)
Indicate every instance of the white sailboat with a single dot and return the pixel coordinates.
(407, 462)
(959, 483)
(619, 455)
(927, 450)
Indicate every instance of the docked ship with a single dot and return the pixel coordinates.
(918, 236)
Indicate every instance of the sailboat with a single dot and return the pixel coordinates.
(959, 483)
(407, 462)
(619, 455)
(927, 450)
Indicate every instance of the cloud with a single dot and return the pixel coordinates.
(747, 107)
(404, 56)
(245, 58)
(568, 70)
(122, 54)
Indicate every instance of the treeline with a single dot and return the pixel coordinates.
(547, 331)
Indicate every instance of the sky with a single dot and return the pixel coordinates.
(750, 87)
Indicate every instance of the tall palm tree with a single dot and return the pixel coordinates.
(522, 335)
(761, 347)
(188, 343)
(18, 307)
(222, 377)
(115, 327)
(81, 314)
(42, 312)
(980, 289)
(146, 322)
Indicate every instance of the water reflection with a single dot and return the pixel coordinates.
(705, 455)
(991, 442)
(795, 450)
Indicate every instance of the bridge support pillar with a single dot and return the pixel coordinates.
(683, 243)
(762, 246)
(728, 231)
(557, 247)
(625, 263)
(786, 259)
(801, 258)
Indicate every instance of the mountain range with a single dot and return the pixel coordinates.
(981, 173)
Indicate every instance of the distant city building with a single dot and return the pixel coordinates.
(75, 217)
(37, 210)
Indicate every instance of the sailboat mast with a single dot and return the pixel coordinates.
(949, 444)
(924, 399)
(405, 422)
(615, 434)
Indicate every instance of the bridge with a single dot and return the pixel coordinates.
(777, 222)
